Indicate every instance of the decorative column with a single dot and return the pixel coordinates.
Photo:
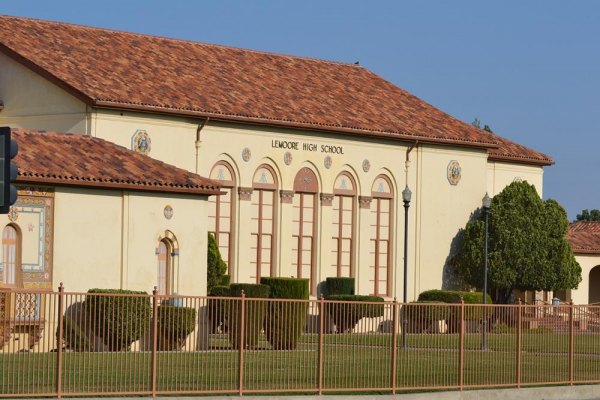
(363, 235)
(286, 198)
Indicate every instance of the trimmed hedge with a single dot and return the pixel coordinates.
(225, 281)
(345, 316)
(119, 320)
(285, 321)
(337, 286)
(217, 308)
(453, 297)
(174, 326)
(254, 313)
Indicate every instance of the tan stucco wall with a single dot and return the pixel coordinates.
(31, 101)
(587, 262)
(502, 174)
(108, 239)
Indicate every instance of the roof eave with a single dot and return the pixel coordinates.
(521, 160)
(287, 124)
(119, 186)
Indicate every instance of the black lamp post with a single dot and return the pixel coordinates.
(487, 203)
(406, 195)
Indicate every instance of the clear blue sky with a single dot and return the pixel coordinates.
(529, 69)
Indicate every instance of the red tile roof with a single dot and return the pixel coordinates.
(514, 152)
(80, 160)
(114, 69)
(584, 237)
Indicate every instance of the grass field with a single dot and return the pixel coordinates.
(350, 361)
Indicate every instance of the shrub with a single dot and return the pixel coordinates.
(254, 313)
(174, 325)
(215, 266)
(225, 280)
(119, 320)
(285, 321)
(337, 286)
(453, 297)
(345, 316)
(217, 308)
(422, 315)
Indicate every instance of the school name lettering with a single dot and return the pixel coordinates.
(323, 148)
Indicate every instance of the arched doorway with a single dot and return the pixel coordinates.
(594, 285)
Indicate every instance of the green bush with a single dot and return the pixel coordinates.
(217, 308)
(285, 321)
(225, 280)
(421, 315)
(345, 316)
(335, 286)
(215, 266)
(254, 313)
(472, 313)
(174, 326)
(119, 320)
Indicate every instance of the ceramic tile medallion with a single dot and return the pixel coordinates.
(168, 212)
(287, 158)
(246, 154)
(140, 142)
(327, 162)
(13, 214)
(366, 165)
(454, 172)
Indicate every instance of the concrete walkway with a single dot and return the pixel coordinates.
(582, 392)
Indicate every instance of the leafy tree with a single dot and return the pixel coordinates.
(527, 245)
(216, 267)
(477, 123)
(587, 215)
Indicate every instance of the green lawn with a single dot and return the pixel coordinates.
(350, 361)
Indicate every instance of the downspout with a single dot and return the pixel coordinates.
(198, 142)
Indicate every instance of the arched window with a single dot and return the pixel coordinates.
(304, 229)
(221, 211)
(264, 186)
(344, 199)
(381, 235)
(10, 272)
(165, 267)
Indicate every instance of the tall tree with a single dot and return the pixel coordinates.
(587, 215)
(528, 249)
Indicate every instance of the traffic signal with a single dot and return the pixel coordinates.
(8, 170)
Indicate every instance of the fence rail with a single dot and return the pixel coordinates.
(76, 344)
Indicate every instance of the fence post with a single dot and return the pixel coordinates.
(154, 337)
(241, 344)
(321, 328)
(461, 351)
(519, 340)
(571, 344)
(394, 343)
(59, 341)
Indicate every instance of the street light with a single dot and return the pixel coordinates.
(406, 195)
(487, 203)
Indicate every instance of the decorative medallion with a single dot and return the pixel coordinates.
(246, 154)
(141, 142)
(327, 162)
(518, 179)
(287, 158)
(168, 212)
(30, 227)
(454, 172)
(366, 165)
(13, 214)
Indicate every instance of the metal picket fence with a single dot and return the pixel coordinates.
(59, 344)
